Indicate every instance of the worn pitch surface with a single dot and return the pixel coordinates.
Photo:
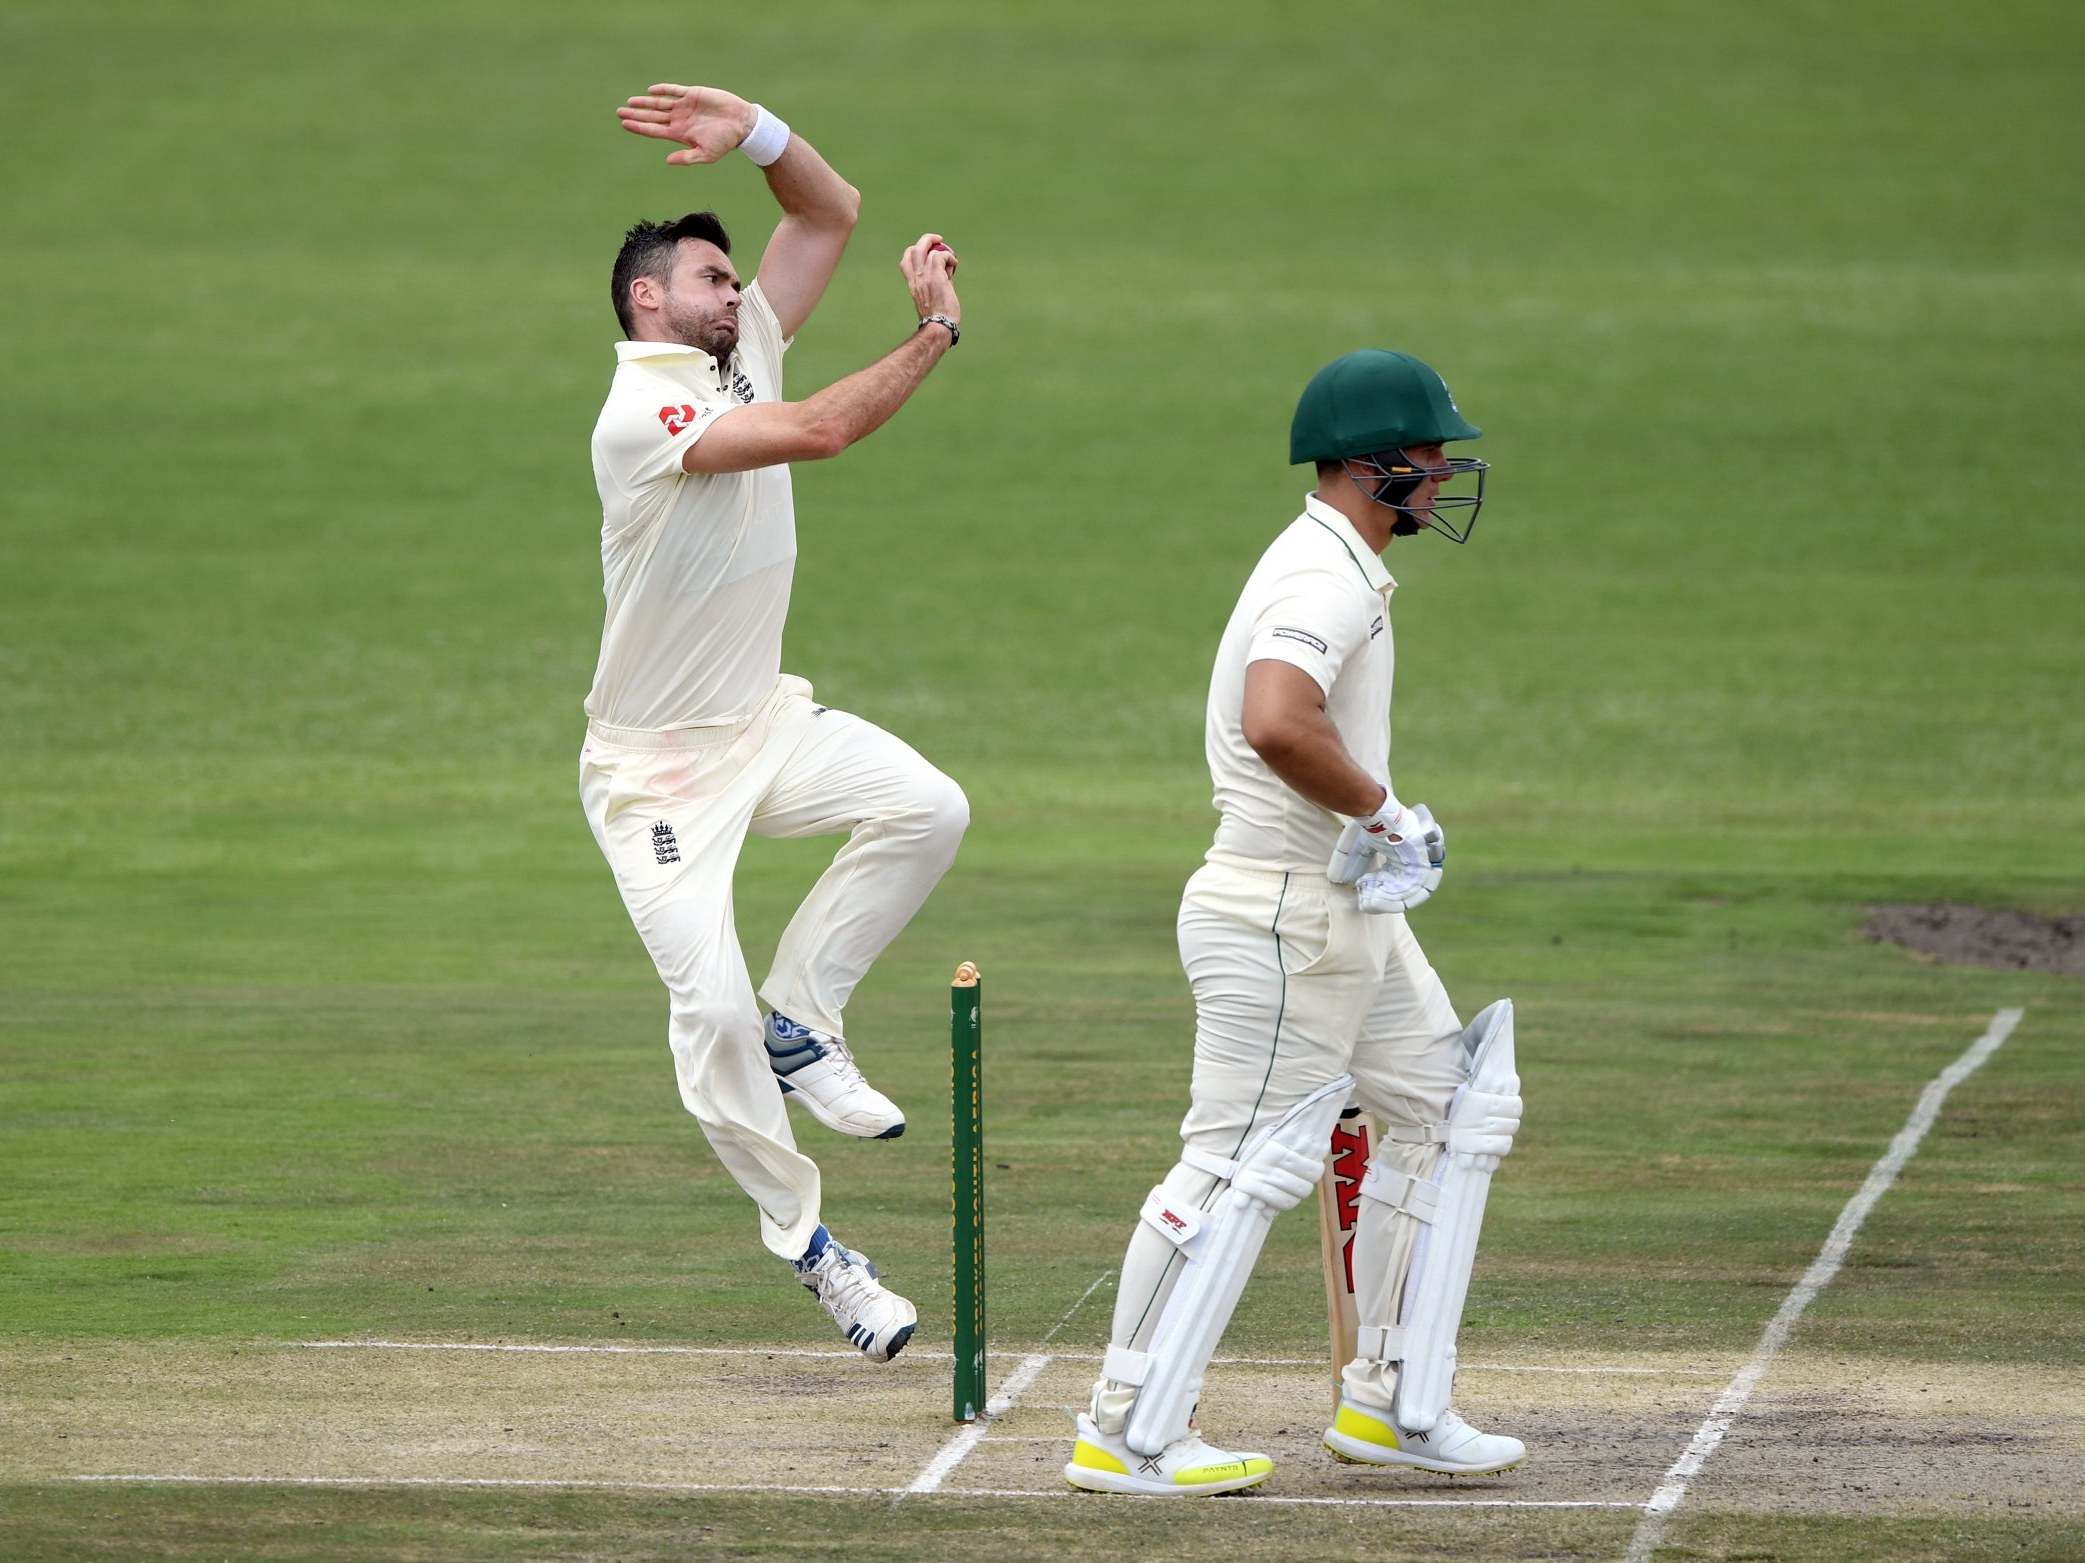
(1823, 1436)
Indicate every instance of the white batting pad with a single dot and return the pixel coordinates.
(1277, 1168)
(1482, 1121)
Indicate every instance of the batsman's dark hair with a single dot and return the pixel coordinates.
(648, 252)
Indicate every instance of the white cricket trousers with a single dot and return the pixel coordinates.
(1293, 986)
(671, 810)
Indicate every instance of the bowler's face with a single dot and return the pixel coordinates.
(702, 298)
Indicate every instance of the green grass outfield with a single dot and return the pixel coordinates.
(319, 1015)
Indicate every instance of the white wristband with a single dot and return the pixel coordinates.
(768, 139)
(1389, 822)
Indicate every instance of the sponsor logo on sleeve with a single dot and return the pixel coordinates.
(1376, 628)
(677, 418)
(1305, 636)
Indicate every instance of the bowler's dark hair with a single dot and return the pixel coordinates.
(648, 252)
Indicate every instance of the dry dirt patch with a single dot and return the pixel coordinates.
(1982, 935)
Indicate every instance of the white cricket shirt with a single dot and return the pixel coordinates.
(696, 567)
(1320, 599)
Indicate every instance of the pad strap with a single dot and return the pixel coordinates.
(1400, 1191)
(1379, 1343)
(1208, 1161)
(1426, 1134)
(1126, 1366)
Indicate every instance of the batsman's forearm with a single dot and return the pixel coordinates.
(1310, 759)
(850, 410)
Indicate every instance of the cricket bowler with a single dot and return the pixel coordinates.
(695, 736)
(1310, 989)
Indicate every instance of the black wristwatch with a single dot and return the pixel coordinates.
(955, 332)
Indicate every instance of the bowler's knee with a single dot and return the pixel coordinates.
(701, 1029)
(940, 811)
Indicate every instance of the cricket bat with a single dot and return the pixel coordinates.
(1339, 1194)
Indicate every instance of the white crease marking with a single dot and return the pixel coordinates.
(582, 1485)
(1822, 1269)
(957, 1449)
(917, 1354)
(603, 1349)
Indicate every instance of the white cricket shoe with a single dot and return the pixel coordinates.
(1368, 1435)
(1185, 1468)
(815, 1068)
(875, 1319)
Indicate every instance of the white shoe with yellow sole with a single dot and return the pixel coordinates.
(1185, 1468)
(1369, 1435)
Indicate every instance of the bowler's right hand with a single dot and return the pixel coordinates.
(930, 273)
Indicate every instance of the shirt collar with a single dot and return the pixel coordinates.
(629, 352)
(1368, 562)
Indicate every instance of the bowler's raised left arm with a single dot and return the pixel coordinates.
(819, 208)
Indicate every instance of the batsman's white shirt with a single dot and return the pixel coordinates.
(696, 567)
(1293, 983)
(1319, 599)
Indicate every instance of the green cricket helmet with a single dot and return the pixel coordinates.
(1366, 410)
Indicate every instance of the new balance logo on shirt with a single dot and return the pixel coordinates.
(1305, 636)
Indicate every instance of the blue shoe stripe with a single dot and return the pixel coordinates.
(800, 1045)
(791, 1059)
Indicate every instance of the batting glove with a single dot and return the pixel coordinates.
(1368, 838)
(1408, 869)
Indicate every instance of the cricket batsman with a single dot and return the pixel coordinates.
(695, 736)
(1309, 988)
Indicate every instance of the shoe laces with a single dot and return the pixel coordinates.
(841, 1057)
(847, 1284)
